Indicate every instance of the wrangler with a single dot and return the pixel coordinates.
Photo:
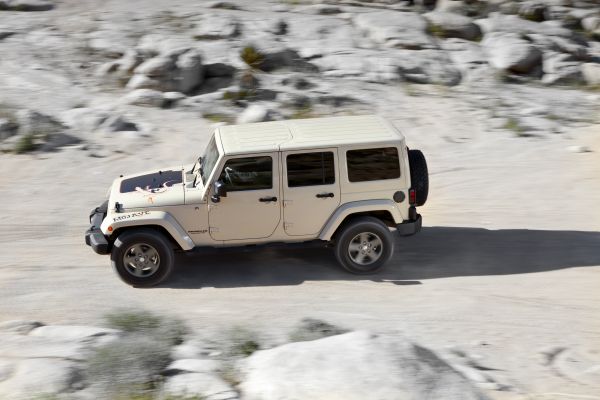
(345, 182)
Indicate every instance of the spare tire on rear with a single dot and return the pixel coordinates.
(419, 177)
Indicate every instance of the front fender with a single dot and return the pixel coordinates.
(357, 207)
(148, 218)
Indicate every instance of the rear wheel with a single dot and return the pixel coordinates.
(142, 257)
(364, 245)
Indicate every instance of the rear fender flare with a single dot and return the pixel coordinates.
(358, 207)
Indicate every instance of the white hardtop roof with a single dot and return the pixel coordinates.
(306, 133)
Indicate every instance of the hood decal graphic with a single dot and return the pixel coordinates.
(151, 183)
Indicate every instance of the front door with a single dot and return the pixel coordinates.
(311, 190)
(251, 209)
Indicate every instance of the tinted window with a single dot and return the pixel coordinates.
(310, 169)
(248, 173)
(373, 164)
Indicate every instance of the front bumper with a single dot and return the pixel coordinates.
(410, 227)
(94, 236)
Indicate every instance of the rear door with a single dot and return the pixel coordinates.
(311, 190)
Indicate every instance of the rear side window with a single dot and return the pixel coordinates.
(373, 164)
(310, 169)
(248, 173)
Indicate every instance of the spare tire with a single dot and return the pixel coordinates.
(419, 177)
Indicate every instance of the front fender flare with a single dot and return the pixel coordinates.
(357, 207)
(148, 218)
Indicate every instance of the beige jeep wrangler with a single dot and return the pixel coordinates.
(345, 182)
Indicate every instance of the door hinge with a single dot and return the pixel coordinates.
(213, 229)
(287, 225)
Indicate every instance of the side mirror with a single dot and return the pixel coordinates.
(218, 191)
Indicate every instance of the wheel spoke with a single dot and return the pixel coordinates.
(362, 258)
(139, 271)
(129, 259)
(354, 247)
(364, 237)
(153, 257)
(376, 243)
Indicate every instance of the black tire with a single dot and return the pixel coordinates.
(419, 176)
(372, 227)
(156, 261)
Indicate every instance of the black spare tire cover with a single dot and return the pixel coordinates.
(419, 177)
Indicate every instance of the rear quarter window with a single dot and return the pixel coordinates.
(373, 164)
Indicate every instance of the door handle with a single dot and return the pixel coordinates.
(267, 199)
(324, 195)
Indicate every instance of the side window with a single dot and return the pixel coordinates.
(310, 169)
(248, 173)
(373, 164)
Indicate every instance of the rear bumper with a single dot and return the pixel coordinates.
(410, 227)
(94, 236)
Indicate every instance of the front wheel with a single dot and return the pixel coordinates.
(142, 257)
(364, 245)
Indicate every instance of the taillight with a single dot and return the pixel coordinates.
(412, 196)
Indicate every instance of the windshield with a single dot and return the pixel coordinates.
(209, 159)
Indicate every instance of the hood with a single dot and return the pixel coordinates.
(149, 189)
